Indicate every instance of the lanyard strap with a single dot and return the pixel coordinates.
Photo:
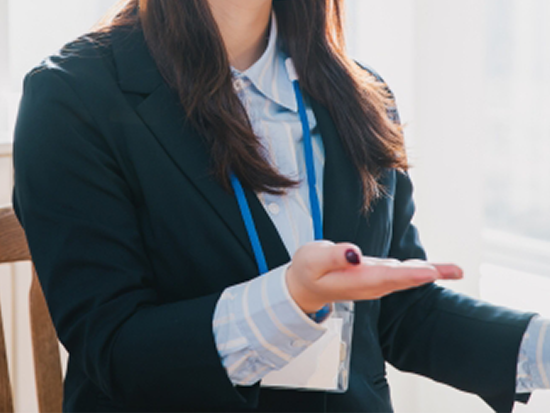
(311, 180)
(249, 224)
(313, 198)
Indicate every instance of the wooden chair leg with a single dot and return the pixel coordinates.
(6, 402)
(48, 375)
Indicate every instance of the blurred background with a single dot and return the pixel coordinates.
(472, 81)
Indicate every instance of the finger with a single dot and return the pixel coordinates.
(414, 273)
(410, 275)
(449, 271)
(376, 278)
(444, 271)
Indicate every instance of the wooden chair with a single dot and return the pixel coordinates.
(47, 362)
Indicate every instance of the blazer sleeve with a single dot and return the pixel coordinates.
(453, 339)
(82, 228)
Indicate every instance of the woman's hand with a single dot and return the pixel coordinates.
(322, 272)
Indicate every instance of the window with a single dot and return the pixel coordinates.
(517, 153)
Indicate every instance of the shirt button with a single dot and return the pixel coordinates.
(274, 208)
(299, 343)
(238, 84)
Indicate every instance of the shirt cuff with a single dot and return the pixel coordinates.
(273, 324)
(533, 370)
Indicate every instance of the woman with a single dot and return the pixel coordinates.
(130, 150)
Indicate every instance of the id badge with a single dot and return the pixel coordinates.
(325, 364)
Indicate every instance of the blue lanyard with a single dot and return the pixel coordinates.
(313, 199)
(311, 180)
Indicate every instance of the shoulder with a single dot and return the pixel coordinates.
(80, 82)
(86, 60)
(391, 109)
(371, 71)
(65, 98)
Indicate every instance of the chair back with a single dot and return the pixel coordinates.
(47, 361)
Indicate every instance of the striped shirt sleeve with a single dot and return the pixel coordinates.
(534, 357)
(259, 328)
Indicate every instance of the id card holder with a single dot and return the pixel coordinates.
(325, 364)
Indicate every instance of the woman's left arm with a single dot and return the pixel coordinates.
(446, 336)
(451, 338)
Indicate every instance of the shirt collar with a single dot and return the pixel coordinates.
(269, 73)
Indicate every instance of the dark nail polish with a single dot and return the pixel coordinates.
(352, 257)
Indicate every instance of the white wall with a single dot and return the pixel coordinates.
(30, 30)
(448, 79)
(429, 53)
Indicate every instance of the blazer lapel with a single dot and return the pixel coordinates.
(163, 114)
(342, 188)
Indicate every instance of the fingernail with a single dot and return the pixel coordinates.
(352, 257)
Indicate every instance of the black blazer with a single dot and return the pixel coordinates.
(134, 241)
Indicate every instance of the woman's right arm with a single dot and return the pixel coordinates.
(82, 228)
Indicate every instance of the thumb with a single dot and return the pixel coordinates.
(330, 257)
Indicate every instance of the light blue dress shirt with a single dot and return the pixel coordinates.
(257, 326)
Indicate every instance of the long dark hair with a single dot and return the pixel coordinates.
(187, 46)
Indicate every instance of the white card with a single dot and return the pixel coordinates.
(317, 367)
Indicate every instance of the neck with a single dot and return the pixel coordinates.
(243, 25)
